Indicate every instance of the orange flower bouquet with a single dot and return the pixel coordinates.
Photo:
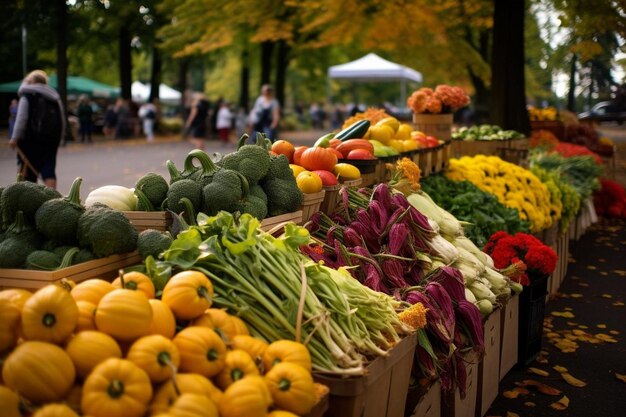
(443, 99)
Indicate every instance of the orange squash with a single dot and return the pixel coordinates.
(16, 296)
(66, 284)
(201, 350)
(73, 397)
(292, 387)
(55, 410)
(116, 387)
(188, 294)
(9, 403)
(240, 326)
(86, 316)
(92, 290)
(218, 320)
(163, 320)
(9, 325)
(281, 413)
(255, 347)
(193, 405)
(286, 351)
(124, 314)
(317, 158)
(50, 315)
(136, 281)
(187, 383)
(156, 355)
(90, 348)
(237, 365)
(247, 397)
(39, 371)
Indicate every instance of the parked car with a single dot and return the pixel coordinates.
(604, 111)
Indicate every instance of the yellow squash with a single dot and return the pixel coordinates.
(136, 281)
(240, 326)
(16, 296)
(92, 290)
(163, 320)
(9, 325)
(201, 350)
(255, 347)
(187, 383)
(55, 410)
(245, 398)
(9, 403)
(281, 413)
(188, 294)
(286, 351)
(39, 371)
(50, 315)
(218, 320)
(193, 405)
(156, 355)
(124, 314)
(90, 348)
(73, 397)
(116, 387)
(86, 316)
(237, 365)
(292, 387)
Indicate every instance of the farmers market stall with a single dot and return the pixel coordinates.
(366, 275)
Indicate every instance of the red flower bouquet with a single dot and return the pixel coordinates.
(525, 256)
(610, 201)
(443, 99)
(569, 149)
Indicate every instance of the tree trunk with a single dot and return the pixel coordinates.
(155, 75)
(126, 64)
(267, 48)
(508, 91)
(183, 69)
(282, 63)
(571, 94)
(480, 100)
(62, 54)
(244, 82)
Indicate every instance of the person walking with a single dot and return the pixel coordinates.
(196, 123)
(12, 116)
(224, 121)
(110, 121)
(265, 114)
(148, 115)
(123, 128)
(85, 118)
(39, 128)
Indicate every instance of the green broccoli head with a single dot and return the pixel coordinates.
(255, 206)
(25, 196)
(154, 186)
(58, 218)
(14, 251)
(184, 188)
(279, 168)
(257, 191)
(251, 161)
(106, 232)
(283, 195)
(153, 242)
(43, 260)
(226, 192)
(83, 255)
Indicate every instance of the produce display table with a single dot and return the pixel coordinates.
(508, 335)
(451, 403)
(429, 404)
(489, 368)
(142, 220)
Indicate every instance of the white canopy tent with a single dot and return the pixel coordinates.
(371, 67)
(167, 95)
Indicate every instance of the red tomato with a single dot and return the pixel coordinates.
(328, 178)
(297, 153)
(360, 154)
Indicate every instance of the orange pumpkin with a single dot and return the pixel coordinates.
(92, 290)
(317, 158)
(188, 294)
(55, 410)
(255, 347)
(136, 281)
(9, 403)
(187, 383)
(90, 348)
(282, 147)
(201, 350)
(237, 365)
(297, 154)
(116, 387)
(9, 324)
(16, 296)
(292, 387)
(163, 321)
(156, 355)
(218, 320)
(193, 405)
(40, 372)
(49, 315)
(248, 397)
(286, 351)
(72, 399)
(124, 314)
(86, 316)
(241, 328)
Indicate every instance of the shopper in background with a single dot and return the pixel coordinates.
(265, 114)
(224, 121)
(12, 116)
(196, 124)
(148, 115)
(39, 128)
(110, 121)
(85, 118)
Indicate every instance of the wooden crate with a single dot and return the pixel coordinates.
(489, 368)
(564, 254)
(98, 268)
(381, 392)
(429, 404)
(270, 223)
(508, 335)
(451, 403)
(331, 197)
(311, 204)
(321, 406)
(438, 159)
(423, 159)
(437, 125)
(447, 154)
(142, 220)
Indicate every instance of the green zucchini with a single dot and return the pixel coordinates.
(355, 131)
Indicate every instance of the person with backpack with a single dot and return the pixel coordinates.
(39, 128)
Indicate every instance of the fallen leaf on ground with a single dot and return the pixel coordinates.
(561, 404)
(583, 284)
(601, 326)
(607, 296)
(515, 392)
(604, 274)
(576, 295)
(538, 371)
(571, 323)
(620, 377)
(541, 387)
(511, 414)
(559, 369)
(575, 382)
(591, 267)
(582, 326)
(529, 404)
(568, 309)
(605, 338)
(618, 304)
(564, 314)
(614, 332)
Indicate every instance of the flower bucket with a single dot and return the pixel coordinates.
(532, 308)
(437, 125)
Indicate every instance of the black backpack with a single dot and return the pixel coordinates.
(44, 119)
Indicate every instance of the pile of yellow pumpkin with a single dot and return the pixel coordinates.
(104, 349)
